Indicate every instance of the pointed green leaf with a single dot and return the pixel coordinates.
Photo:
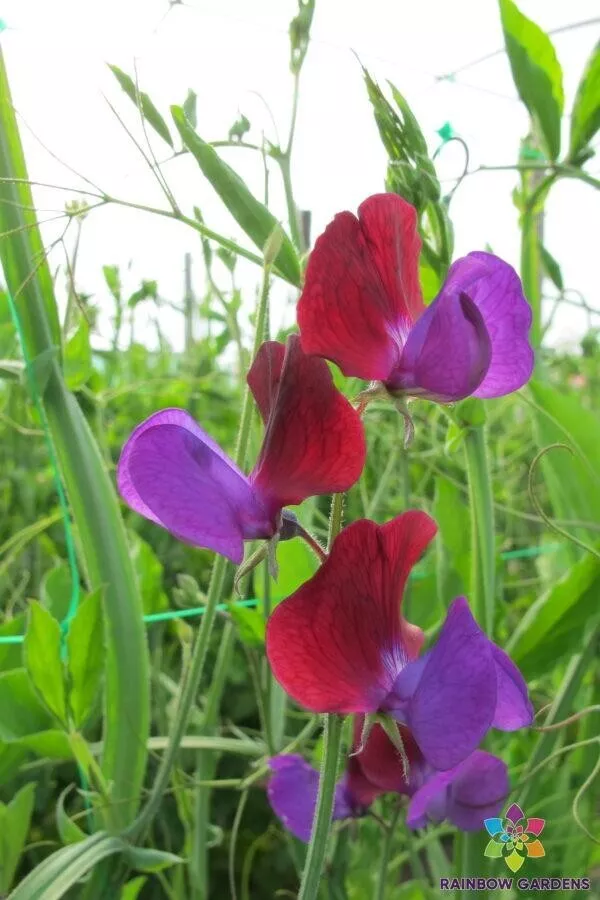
(86, 655)
(189, 108)
(536, 72)
(131, 890)
(112, 276)
(585, 118)
(55, 590)
(252, 216)
(22, 712)
(15, 819)
(69, 831)
(43, 660)
(59, 872)
(144, 103)
(78, 357)
(553, 625)
(551, 268)
(147, 859)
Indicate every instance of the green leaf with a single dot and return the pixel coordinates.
(112, 276)
(250, 624)
(11, 655)
(585, 118)
(144, 103)
(454, 542)
(536, 72)
(149, 572)
(59, 872)
(551, 268)
(573, 481)
(147, 859)
(15, 819)
(55, 590)
(552, 626)
(78, 357)
(148, 290)
(86, 655)
(131, 890)
(43, 660)
(50, 743)
(190, 108)
(296, 565)
(252, 216)
(22, 712)
(69, 832)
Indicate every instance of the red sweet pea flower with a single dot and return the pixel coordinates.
(362, 308)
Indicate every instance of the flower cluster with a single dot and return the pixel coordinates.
(340, 643)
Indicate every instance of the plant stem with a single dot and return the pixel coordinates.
(482, 528)
(386, 852)
(315, 855)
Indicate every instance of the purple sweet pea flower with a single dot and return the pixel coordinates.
(340, 645)
(173, 473)
(362, 308)
(464, 796)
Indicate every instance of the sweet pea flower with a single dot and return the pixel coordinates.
(340, 644)
(362, 308)
(465, 795)
(173, 473)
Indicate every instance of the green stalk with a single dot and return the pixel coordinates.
(94, 505)
(206, 766)
(386, 853)
(483, 551)
(531, 271)
(315, 856)
(195, 671)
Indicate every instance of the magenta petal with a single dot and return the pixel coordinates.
(447, 353)
(174, 474)
(454, 702)
(496, 290)
(535, 825)
(513, 709)
(292, 793)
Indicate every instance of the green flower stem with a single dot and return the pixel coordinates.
(315, 855)
(195, 671)
(483, 550)
(206, 766)
(531, 268)
(386, 853)
(332, 741)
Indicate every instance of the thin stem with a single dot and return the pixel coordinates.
(482, 528)
(386, 852)
(315, 856)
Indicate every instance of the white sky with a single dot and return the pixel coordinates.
(230, 50)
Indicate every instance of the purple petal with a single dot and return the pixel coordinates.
(292, 793)
(513, 708)
(447, 352)
(478, 792)
(496, 290)
(454, 702)
(174, 474)
(465, 795)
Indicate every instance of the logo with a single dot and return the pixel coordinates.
(514, 838)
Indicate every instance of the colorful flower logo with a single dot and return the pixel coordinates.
(514, 838)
